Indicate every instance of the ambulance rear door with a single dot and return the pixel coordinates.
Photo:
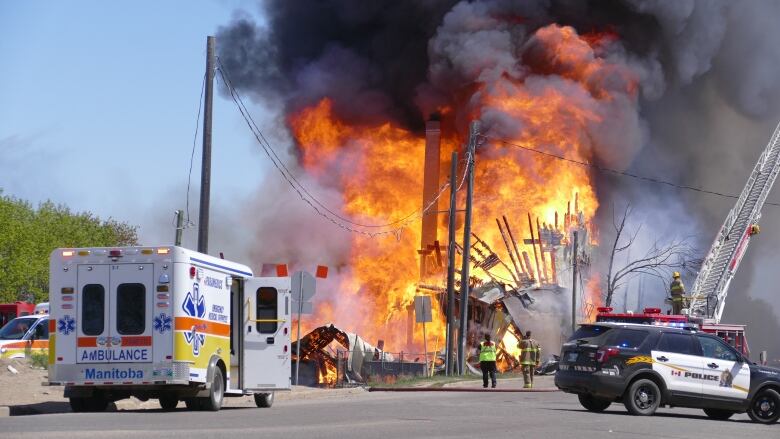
(114, 313)
(131, 309)
(266, 360)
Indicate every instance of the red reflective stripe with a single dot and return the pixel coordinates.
(87, 342)
(52, 325)
(140, 340)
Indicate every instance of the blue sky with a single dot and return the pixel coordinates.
(98, 103)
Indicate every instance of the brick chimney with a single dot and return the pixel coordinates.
(430, 190)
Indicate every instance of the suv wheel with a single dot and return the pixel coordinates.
(592, 403)
(642, 398)
(718, 414)
(765, 407)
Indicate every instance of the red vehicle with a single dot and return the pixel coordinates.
(732, 334)
(10, 311)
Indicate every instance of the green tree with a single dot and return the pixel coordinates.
(28, 235)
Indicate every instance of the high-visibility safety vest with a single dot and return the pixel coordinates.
(487, 351)
(530, 352)
(677, 288)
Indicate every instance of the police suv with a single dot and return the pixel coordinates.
(646, 367)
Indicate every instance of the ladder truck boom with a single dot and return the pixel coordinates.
(708, 296)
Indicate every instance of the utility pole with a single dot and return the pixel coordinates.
(179, 227)
(450, 342)
(574, 285)
(464, 280)
(205, 171)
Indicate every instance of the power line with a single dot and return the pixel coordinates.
(194, 141)
(614, 171)
(301, 189)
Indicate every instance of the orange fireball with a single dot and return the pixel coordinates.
(379, 172)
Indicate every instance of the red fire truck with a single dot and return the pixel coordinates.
(732, 334)
(10, 311)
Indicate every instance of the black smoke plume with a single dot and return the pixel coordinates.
(706, 71)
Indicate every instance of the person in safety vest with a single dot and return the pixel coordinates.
(530, 356)
(487, 361)
(677, 290)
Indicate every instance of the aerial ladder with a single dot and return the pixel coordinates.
(708, 296)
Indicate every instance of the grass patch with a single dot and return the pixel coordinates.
(39, 360)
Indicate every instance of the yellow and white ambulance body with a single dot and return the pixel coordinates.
(24, 335)
(165, 322)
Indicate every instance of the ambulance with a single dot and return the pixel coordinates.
(168, 323)
(24, 335)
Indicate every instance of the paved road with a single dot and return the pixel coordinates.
(392, 415)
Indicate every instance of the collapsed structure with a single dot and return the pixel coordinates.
(525, 285)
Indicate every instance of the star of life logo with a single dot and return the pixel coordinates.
(195, 306)
(66, 324)
(162, 323)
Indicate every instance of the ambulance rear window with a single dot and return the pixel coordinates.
(131, 309)
(93, 300)
(267, 310)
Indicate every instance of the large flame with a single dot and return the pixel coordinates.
(379, 171)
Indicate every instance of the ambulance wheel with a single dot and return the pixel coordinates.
(193, 404)
(642, 398)
(765, 407)
(213, 402)
(592, 403)
(78, 405)
(96, 403)
(264, 400)
(720, 415)
(169, 402)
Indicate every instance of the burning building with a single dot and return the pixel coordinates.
(355, 83)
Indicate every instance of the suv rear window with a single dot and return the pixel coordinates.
(627, 338)
(587, 332)
(676, 344)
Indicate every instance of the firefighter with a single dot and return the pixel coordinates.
(530, 356)
(487, 361)
(677, 289)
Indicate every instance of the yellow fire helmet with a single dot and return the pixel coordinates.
(676, 274)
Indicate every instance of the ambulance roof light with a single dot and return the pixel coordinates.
(163, 251)
(67, 253)
(604, 309)
(115, 253)
(652, 310)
